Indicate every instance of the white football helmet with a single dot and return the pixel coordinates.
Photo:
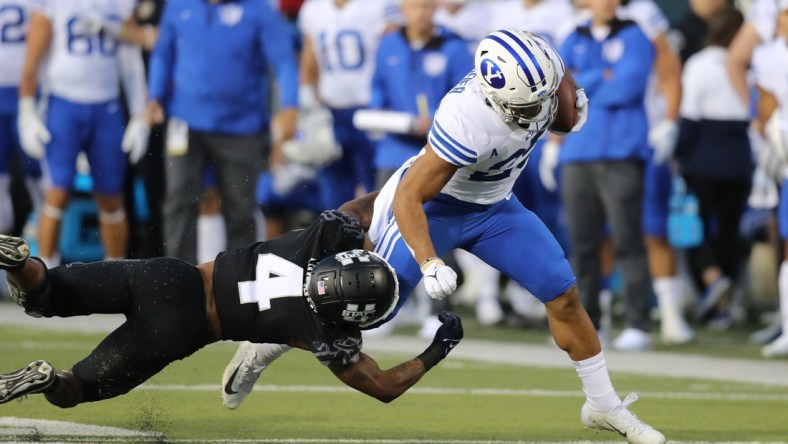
(518, 77)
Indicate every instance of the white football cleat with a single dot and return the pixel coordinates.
(632, 339)
(33, 378)
(622, 421)
(675, 330)
(240, 375)
(777, 348)
(488, 312)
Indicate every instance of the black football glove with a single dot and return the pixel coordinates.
(446, 338)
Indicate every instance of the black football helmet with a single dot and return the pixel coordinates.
(355, 286)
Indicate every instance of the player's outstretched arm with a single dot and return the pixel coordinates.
(387, 385)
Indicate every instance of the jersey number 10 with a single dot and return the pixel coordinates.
(348, 47)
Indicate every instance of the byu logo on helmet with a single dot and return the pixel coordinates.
(492, 74)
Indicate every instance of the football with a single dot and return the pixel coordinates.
(566, 115)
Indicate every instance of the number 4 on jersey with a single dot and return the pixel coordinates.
(275, 278)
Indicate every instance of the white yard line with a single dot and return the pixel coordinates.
(472, 392)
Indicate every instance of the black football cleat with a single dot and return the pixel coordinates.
(34, 378)
(14, 251)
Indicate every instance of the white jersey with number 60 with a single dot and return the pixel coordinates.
(82, 65)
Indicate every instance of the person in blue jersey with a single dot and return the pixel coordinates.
(602, 174)
(415, 66)
(209, 73)
(457, 193)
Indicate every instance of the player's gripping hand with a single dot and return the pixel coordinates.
(439, 279)
(33, 134)
(450, 333)
(135, 139)
(582, 109)
(662, 139)
(446, 338)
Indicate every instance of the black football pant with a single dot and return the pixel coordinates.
(164, 303)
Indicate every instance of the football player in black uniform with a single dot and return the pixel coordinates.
(312, 289)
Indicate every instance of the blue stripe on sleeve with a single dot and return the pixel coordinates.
(442, 145)
(462, 148)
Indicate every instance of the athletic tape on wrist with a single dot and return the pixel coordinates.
(426, 262)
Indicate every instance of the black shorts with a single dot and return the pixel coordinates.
(164, 303)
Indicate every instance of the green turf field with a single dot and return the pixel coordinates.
(300, 401)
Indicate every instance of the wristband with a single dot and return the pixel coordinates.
(424, 264)
(432, 355)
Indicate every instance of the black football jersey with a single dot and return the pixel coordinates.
(259, 290)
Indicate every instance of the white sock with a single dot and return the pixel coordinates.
(668, 290)
(600, 394)
(606, 306)
(783, 290)
(268, 353)
(211, 237)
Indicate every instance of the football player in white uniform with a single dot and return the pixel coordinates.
(14, 20)
(84, 64)
(456, 193)
(337, 64)
(663, 96)
(770, 63)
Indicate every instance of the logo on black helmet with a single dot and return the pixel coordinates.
(353, 314)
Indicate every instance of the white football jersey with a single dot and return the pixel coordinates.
(763, 14)
(647, 15)
(81, 67)
(466, 132)
(345, 41)
(552, 19)
(770, 63)
(471, 22)
(14, 20)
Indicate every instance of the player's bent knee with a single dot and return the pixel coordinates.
(566, 304)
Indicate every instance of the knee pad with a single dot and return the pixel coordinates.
(52, 211)
(116, 217)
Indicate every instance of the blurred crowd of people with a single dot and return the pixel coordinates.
(189, 117)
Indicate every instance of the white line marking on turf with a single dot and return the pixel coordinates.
(26, 427)
(474, 392)
(72, 432)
